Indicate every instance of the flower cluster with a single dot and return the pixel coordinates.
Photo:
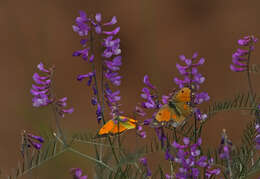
(85, 26)
(77, 173)
(240, 58)
(190, 161)
(140, 132)
(143, 161)
(193, 79)
(30, 140)
(149, 94)
(112, 99)
(225, 146)
(41, 92)
(257, 138)
(190, 72)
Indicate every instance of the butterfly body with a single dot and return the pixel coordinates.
(117, 126)
(177, 110)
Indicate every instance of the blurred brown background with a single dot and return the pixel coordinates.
(153, 34)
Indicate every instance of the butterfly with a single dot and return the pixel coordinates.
(177, 110)
(117, 126)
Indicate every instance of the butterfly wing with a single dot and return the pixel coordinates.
(178, 108)
(107, 128)
(180, 103)
(112, 128)
(183, 95)
(164, 114)
(127, 122)
(184, 109)
(168, 114)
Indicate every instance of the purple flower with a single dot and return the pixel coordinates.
(245, 41)
(191, 78)
(31, 140)
(115, 64)
(147, 82)
(161, 136)
(189, 160)
(149, 103)
(77, 173)
(189, 72)
(140, 132)
(225, 146)
(199, 116)
(257, 138)
(40, 91)
(41, 67)
(99, 113)
(89, 75)
(85, 25)
(113, 77)
(38, 138)
(98, 25)
(140, 111)
(165, 99)
(112, 100)
(201, 97)
(143, 161)
(168, 155)
(240, 57)
(112, 47)
(82, 27)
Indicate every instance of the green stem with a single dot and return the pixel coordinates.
(94, 143)
(248, 76)
(58, 126)
(93, 69)
(56, 114)
(90, 158)
(195, 128)
(175, 135)
(172, 171)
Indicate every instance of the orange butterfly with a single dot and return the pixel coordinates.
(177, 109)
(117, 126)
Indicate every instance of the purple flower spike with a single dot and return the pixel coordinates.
(149, 103)
(40, 91)
(190, 72)
(85, 26)
(240, 57)
(189, 160)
